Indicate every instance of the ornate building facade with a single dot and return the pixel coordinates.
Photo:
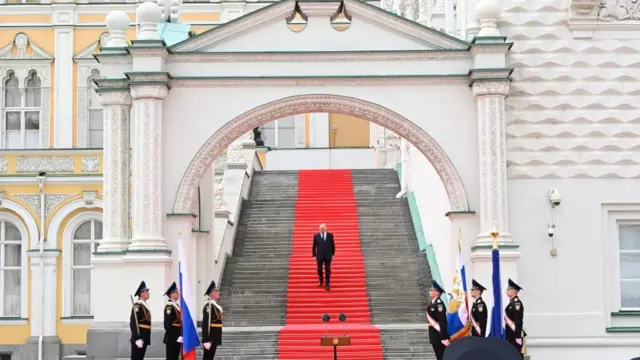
(569, 125)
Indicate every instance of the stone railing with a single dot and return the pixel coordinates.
(231, 191)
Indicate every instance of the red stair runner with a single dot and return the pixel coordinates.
(326, 196)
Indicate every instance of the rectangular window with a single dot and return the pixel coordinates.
(21, 127)
(629, 251)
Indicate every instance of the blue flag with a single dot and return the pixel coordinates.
(497, 329)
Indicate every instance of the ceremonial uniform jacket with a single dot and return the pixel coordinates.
(212, 323)
(513, 319)
(172, 322)
(140, 322)
(479, 318)
(437, 319)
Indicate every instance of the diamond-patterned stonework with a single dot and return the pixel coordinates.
(90, 163)
(30, 164)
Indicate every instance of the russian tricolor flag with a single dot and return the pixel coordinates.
(190, 340)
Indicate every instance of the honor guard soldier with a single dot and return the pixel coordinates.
(437, 318)
(173, 323)
(140, 323)
(514, 317)
(211, 323)
(478, 311)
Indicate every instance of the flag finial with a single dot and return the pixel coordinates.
(180, 232)
(494, 234)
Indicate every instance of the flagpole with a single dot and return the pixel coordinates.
(181, 320)
(494, 234)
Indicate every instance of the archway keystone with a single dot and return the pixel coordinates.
(293, 105)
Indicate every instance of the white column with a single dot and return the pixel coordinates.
(147, 168)
(115, 180)
(490, 96)
(63, 18)
(50, 296)
(450, 17)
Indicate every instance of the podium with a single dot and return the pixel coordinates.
(335, 341)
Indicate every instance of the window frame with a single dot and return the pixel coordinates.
(24, 273)
(85, 69)
(614, 215)
(22, 69)
(67, 265)
(23, 109)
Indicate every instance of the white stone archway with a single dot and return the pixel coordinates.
(219, 141)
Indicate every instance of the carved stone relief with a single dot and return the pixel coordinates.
(3, 165)
(90, 163)
(50, 201)
(32, 164)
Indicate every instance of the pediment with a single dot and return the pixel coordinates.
(88, 52)
(271, 29)
(21, 48)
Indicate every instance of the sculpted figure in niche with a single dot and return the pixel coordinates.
(603, 12)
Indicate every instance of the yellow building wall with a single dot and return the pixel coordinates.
(350, 131)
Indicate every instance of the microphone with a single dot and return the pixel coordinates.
(325, 320)
(342, 317)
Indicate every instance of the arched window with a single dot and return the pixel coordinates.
(10, 270)
(22, 111)
(85, 241)
(95, 123)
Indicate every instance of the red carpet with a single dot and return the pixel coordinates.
(326, 196)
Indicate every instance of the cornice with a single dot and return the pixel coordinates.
(195, 82)
(317, 56)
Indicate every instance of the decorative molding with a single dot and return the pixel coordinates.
(1, 197)
(90, 163)
(50, 201)
(319, 56)
(621, 341)
(218, 200)
(484, 88)
(149, 91)
(23, 49)
(89, 198)
(34, 164)
(284, 8)
(207, 82)
(588, 17)
(321, 104)
(3, 165)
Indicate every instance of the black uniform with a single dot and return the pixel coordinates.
(514, 319)
(140, 325)
(173, 330)
(437, 319)
(211, 324)
(479, 316)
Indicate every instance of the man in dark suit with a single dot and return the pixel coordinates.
(323, 251)
(478, 310)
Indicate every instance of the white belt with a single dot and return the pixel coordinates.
(433, 322)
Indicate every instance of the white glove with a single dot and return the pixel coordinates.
(445, 342)
(139, 343)
(519, 341)
(207, 345)
(179, 339)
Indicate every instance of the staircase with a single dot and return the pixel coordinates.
(398, 276)
(253, 289)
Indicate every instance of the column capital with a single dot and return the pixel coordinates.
(120, 97)
(491, 87)
(149, 91)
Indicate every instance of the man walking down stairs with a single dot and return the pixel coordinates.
(255, 279)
